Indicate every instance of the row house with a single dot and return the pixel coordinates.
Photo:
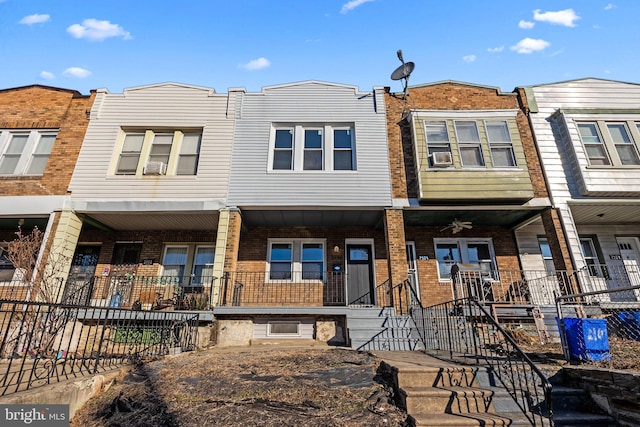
(148, 198)
(588, 135)
(466, 178)
(41, 132)
(309, 193)
(289, 212)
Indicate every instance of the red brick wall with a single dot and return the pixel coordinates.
(41, 107)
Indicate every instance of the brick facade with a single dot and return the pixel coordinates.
(452, 96)
(42, 107)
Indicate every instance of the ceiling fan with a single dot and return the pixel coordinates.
(457, 226)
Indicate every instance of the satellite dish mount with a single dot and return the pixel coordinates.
(403, 72)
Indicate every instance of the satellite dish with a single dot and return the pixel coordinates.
(403, 71)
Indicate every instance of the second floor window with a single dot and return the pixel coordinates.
(468, 139)
(159, 153)
(312, 148)
(469, 143)
(25, 152)
(609, 143)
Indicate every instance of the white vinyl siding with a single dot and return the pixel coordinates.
(163, 107)
(355, 164)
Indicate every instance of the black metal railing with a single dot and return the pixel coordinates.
(297, 289)
(44, 343)
(462, 331)
(142, 292)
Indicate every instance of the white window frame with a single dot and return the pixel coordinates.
(547, 259)
(296, 259)
(470, 144)
(463, 247)
(611, 157)
(500, 145)
(593, 263)
(437, 146)
(286, 322)
(25, 158)
(190, 263)
(299, 149)
(145, 155)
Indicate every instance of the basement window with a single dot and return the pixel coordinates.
(283, 328)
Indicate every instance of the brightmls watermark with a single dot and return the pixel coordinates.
(34, 415)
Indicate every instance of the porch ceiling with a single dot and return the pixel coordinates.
(29, 223)
(154, 221)
(489, 217)
(312, 218)
(606, 212)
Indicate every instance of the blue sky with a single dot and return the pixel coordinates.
(116, 44)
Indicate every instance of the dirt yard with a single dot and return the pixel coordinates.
(249, 387)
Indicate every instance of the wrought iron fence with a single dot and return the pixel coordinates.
(601, 327)
(297, 289)
(31, 290)
(43, 343)
(539, 287)
(463, 329)
(141, 292)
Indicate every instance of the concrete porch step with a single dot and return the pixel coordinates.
(463, 420)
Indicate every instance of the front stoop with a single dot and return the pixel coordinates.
(451, 395)
(439, 393)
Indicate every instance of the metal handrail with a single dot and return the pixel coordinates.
(463, 328)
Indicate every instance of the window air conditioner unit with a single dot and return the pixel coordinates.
(441, 159)
(155, 168)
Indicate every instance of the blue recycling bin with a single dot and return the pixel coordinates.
(587, 339)
(629, 325)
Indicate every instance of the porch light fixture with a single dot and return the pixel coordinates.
(336, 250)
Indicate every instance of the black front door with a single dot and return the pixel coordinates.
(360, 275)
(83, 269)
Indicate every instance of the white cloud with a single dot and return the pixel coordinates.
(257, 64)
(610, 6)
(561, 17)
(469, 58)
(495, 49)
(526, 25)
(35, 19)
(46, 75)
(529, 45)
(352, 5)
(93, 29)
(78, 72)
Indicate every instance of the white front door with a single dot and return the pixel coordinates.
(631, 258)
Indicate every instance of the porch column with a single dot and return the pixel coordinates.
(558, 243)
(396, 245)
(60, 241)
(227, 245)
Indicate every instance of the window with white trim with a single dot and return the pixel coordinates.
(469, 143)
(471, 139)
(547, 258)
(478, 252)
(437, 138)
(611, 143)
(312, 148)
(171, 152)
(25, 152)
(195, 261)
(588, 245)
(295, 260)
(500, 144)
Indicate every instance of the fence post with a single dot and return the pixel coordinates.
(104, 326)
(225, 285)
